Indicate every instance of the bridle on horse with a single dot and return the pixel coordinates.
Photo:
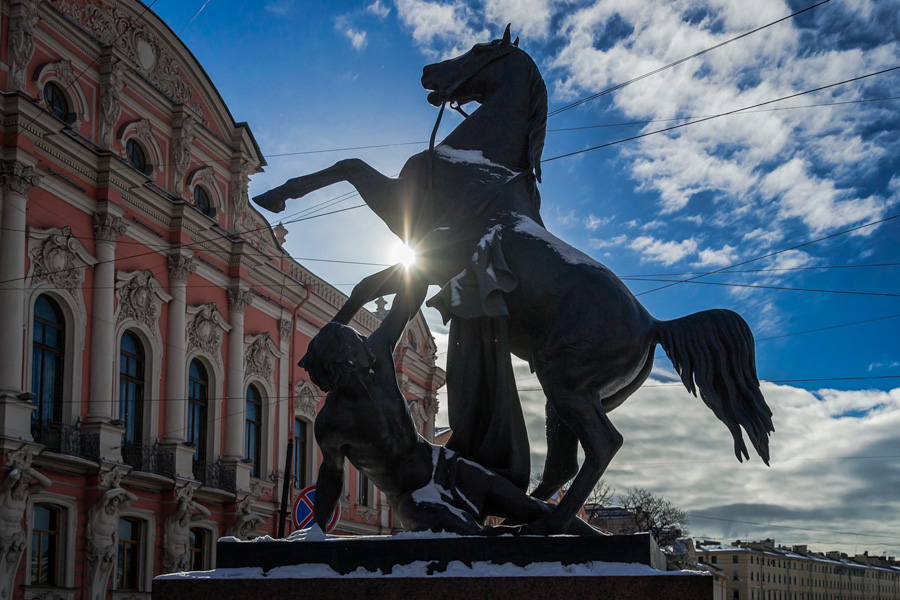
(437, 123)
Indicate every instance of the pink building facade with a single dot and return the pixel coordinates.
(151, 321)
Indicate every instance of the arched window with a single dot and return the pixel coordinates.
(137, 156)
(203, 202)
(197, 548)
(45, 545)
(362, 489)
(128, 567)
(299, 458)
(56, 101)
(47, 361)
(253, 429)
(131, 387)
(198, 407)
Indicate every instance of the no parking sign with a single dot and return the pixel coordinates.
(302, 511)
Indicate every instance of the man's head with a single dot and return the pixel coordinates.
(335, 355)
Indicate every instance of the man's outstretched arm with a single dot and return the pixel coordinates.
(406, 303)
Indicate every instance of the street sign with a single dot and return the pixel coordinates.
(302, 511)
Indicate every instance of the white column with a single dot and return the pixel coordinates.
(16, 180)
(107, 228)
(181, 265)
(238, 299)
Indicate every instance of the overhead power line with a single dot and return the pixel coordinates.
(680, 61)
(769, 287)
(724, 114)
(775, 337)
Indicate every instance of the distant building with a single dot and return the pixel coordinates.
(764, 571)
(150, 320)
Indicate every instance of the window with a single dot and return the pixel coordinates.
(56, 102)
(362, 489)
(47, 361)
(137, 156)
(715, 559)
(198, 407)
(252, 429)
(734, 558)
(128, 564)
(735, 576)
(197, 548)
(202, 201)
(45, 545)
(299, 457)
(131, 387)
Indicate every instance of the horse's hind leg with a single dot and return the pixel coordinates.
(377, 190)
(561, 464)
(582, 413)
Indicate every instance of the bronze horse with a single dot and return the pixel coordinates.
(471, 205)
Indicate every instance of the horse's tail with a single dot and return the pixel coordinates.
(713, 351)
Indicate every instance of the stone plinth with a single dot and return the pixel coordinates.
(657, 587)
(376, 553)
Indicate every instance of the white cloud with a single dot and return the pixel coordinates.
(443, 25)
(378, 9)
(279, 7)
(717, 258)
(597, 244)
(529, 19)
(593, 222)
(884, 365)
(665, 253)
(356, 37)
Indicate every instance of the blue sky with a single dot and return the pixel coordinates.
(311, 76)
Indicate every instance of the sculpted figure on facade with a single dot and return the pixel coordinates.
(181, 150)
(247, 522)
(21, 40)
(21, 482)
(111, 86)
(176, 553)
(102, 538)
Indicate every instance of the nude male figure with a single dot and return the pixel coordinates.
(366, 420)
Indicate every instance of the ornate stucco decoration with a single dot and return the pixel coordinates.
(23, 19)
(64, 73)
(418, 414)
(111, 86)
(260, 353)
(181, 150)
(140, 297)
(285, 327)
(112, 478)
(431, 404)
(58, 258)
(367, 514)
(246, 521)
(107, 228)
(151, 56)
(204, 330)
(18, 178)
(244, 220)
(239, 299)
(306, 396)
(180, 267)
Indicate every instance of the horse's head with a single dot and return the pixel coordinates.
(468, 77)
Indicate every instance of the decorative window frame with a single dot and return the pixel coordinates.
(267, 423)
(306, 397)
(69, 534)
(215, 402)
(147, 557)
(63, 74)
(206, 178)
(142, 131)
(75, 327)
(153, 352)
(212, 529)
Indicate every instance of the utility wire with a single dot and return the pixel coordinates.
(767, 287)
(763, 380)
(680, 61)
(775, 337)
(724, 114)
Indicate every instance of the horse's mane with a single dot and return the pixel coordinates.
(537, 118)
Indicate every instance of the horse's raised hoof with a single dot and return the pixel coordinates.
(273, 200)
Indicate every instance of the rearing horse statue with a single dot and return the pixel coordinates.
(470, 207)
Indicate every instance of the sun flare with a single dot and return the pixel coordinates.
(401, 253)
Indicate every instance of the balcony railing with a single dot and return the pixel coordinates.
(148, 459)
(58, 437)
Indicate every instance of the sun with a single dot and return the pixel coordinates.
(401, 253)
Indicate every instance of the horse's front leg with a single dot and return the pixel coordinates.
(376, 189)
